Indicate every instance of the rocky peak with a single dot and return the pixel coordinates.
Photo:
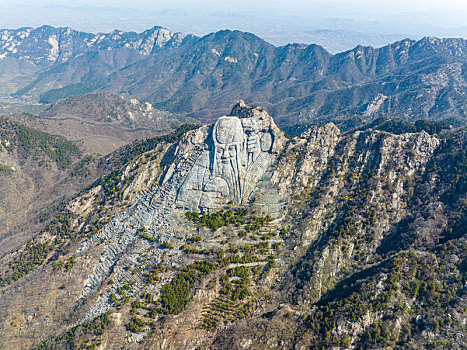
(227, 158)
(47, 44)
(241, 110)
(359, 221)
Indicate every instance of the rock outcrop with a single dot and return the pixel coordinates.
(238, 150)
(233, 236)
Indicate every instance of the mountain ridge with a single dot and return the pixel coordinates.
(232, 235)
(303, 84)
(65, 42)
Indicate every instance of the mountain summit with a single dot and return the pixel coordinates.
(48, 45)
(233, 236)
(237, 153)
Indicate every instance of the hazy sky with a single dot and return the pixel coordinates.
(362, 21)
(395, 5)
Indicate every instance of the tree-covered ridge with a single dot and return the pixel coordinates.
(34, 143)
(411, 285)
(400, 126)
(397, 126)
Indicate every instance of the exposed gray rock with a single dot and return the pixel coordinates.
(238, 151)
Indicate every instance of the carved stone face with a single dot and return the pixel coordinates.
(229, 158)
(226, 159)
(228, 130)
(232, 168)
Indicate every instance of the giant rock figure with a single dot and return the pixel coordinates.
(238, 154)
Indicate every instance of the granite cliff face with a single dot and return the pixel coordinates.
(238, 151)
(233, 236)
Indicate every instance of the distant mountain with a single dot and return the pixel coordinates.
(46, 44)
(62, 56)
(201, 77)
(335, 40)
(409, 79)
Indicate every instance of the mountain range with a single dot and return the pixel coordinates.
(145, 205)
(199, 77)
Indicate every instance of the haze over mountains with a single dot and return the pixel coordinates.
(337, 25)
(199, 77)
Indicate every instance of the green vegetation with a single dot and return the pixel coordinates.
(415, 289)
(84, 336)
(136, 325)
(81, 169)
(167, 245)
(91, 84)
(399, 126)
(234, 283)
(30, 142)
(237, 288)
(228, 217)
(153, 273)
(112, 186)
(5, 169)
(232, 303)
(194, 239)
(268, 267)
(190, 250)
(33, 255)
(35, 252)
(225, 310)
(398, 294)
(142, 233)
(174, 296)
(410, 277)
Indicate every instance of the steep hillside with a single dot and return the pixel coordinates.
(232, 235)
(39, 171)
(114, 109)
(34, 179)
